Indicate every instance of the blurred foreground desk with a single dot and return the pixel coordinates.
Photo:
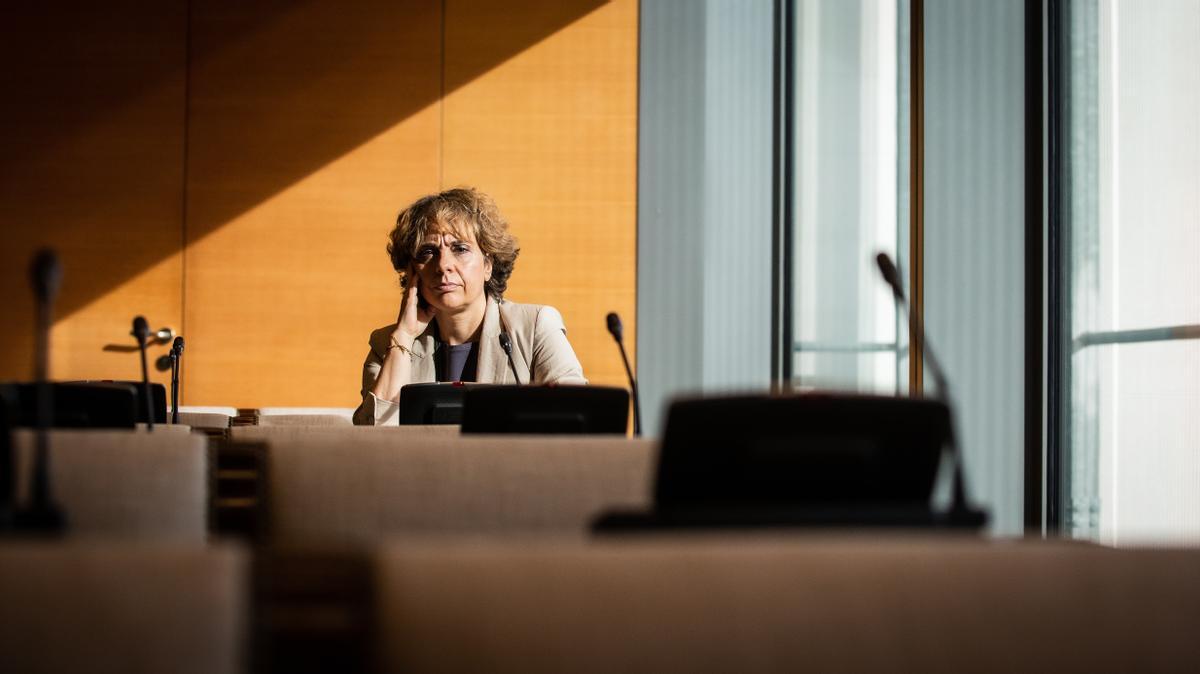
(122, 607)
(786, 603)
(728, 603)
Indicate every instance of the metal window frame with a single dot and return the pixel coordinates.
(783, 201)
(1058, 329)
(1035, 321)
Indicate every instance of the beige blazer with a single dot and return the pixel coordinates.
(541, 354)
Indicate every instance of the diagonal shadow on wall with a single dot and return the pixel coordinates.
(100, 101)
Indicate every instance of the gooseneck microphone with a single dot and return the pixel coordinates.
(506, 344)
(959, 508)
(617, 331)
(176, 355)
(892, 276)
(43, 514)
(141, 331)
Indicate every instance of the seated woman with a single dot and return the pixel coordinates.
(454, 255)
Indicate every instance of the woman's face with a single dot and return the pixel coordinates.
(452, 269)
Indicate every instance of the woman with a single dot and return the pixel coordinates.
(454, 255)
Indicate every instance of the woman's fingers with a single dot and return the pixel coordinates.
(408, 300)
(413, 317)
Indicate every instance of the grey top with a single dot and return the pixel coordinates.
(459, 362)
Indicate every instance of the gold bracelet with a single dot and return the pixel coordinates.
(397, 345)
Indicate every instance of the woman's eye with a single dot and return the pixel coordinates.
(424, 255)
(461, 248)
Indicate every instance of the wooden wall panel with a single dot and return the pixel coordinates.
(551, 133)
(306, 138)
(91, 147)
(232, 169)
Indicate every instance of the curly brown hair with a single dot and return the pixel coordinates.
(458, 210)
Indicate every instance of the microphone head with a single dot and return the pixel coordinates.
(506, 343)
(177, 345)
(45, 274)
(614, 325)
(890, 274)
(141, 329)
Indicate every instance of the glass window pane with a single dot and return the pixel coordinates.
(851, 72)
(1133, 382)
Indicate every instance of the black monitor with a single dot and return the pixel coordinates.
(78, 405)
(434, 404)
(813, 459)
(547, 410)
(811, 448)
(158, 397)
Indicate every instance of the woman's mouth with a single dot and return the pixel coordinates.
(445, 287)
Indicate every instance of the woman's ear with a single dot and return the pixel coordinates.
(487, 266)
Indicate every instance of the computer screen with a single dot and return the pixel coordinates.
(547, 410)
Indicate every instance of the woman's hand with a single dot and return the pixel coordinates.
(396, 369)
(413, 318)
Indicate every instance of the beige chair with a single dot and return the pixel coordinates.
(362, 486)
(209, 409)
(305, 416)
(285, 434)
(126, 483)
(204, 420)
(122, 607)
(180, 429)
(748, 604)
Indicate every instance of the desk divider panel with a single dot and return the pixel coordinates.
(125, 484)
(362, 486)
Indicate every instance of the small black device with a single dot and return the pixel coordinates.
(157, 409)
(546, 410)
(81, 404)
(434, 404)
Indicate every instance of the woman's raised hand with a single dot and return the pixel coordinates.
(395, 371)
(414, 317)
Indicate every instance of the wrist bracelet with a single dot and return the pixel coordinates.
(397, 345)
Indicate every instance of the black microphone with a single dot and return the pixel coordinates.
(43, 514)
(959, 508)
(892, 276)
(141, 330)
(176, 354)
(506, 344)
(615, 329)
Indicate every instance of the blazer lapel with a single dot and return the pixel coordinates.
(492, 365)
(424, 350)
